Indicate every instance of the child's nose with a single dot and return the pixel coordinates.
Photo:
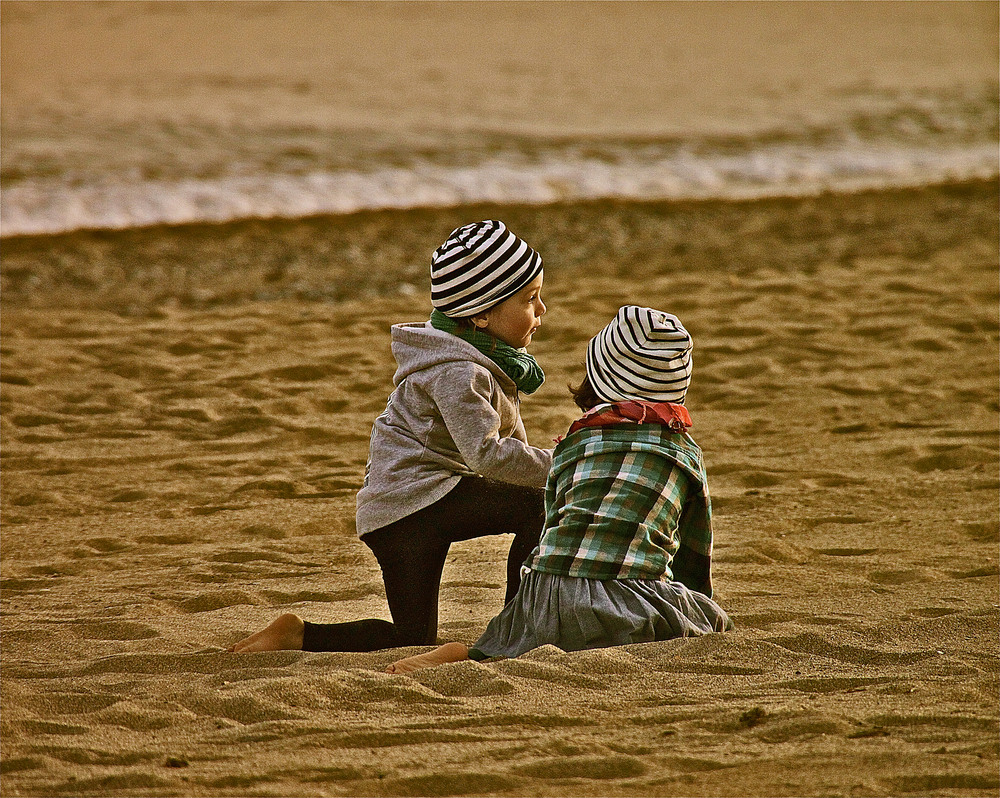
(541, 307)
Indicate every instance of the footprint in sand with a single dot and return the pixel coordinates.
(35, 419)
(826, 479)
(198, 415)
(108, 545)
(948, 721)
(853, 429)
(95, 756)
(128, 496)
(214, 600)
(137, 716)
(115, 630)
(817, 645)
(464, 679)
(765, 620)
(975, 573)
(942, 783)
(407, 737)
(932, 612)
(86, 409)
(269, 487)
(240, 704)
(263, 531)
(804, 728)
(240, 423)
(585, 767)
(13, 378)
(307, 373)
(453, 784)
(167, 540)
(38, 727)
(244, 556)
(942, 456)
(75, 703)
(949, 458)
(846, 552)
(366, 687)
(902, 577)
(281, 598)
(926, 344)
(764, 552)
(14, 584)
(854, 386)
(836, 519)
(544, 672)
(136, 368)
(835, 684)
(123, 783)
(211, 663)
(35, 498)
(21, 763)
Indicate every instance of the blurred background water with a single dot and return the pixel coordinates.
(126, 114)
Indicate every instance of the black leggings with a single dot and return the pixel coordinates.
(411, 553)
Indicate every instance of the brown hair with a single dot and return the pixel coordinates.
(464, 327)
(584, 395)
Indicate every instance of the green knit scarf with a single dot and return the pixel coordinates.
(515, 363)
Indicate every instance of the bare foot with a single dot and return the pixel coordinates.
(449, 652)
(283, 634)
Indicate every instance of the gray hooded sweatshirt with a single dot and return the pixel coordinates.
(453, 413)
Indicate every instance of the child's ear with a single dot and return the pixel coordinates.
(481, 321)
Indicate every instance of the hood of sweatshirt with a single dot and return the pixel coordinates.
(418, 346)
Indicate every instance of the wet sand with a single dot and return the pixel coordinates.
(182, 442)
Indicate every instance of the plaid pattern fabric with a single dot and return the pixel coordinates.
(628, 502)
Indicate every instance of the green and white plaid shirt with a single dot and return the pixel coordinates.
(628, 502)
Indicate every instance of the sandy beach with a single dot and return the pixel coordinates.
(185, 418)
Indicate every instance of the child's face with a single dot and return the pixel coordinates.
(515, 319)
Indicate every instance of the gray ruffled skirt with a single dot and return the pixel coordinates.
(575, 614)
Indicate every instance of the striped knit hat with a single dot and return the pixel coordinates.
(643, 354)
(479, 266)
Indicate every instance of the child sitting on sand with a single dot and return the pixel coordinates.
(449, 458)
(626, 554)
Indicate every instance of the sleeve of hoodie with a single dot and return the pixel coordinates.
(463, 400)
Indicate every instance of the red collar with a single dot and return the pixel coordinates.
(668, 414)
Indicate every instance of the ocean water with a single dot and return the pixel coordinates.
(130, 114)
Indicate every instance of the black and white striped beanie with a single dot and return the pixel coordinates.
(480, 265)
(642, 354)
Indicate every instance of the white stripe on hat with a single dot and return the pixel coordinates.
(479, 266)
(642, 354)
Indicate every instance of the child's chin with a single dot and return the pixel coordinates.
(519, 344)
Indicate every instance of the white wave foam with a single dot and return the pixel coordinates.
(48, 205)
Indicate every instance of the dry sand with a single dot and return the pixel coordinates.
(182, 442)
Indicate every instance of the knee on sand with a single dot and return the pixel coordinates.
(282, 634)
(449, 652)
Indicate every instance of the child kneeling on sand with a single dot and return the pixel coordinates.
(626, 554)
(449, 459)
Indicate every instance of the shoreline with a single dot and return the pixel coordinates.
(318, 258)
(222, 226)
